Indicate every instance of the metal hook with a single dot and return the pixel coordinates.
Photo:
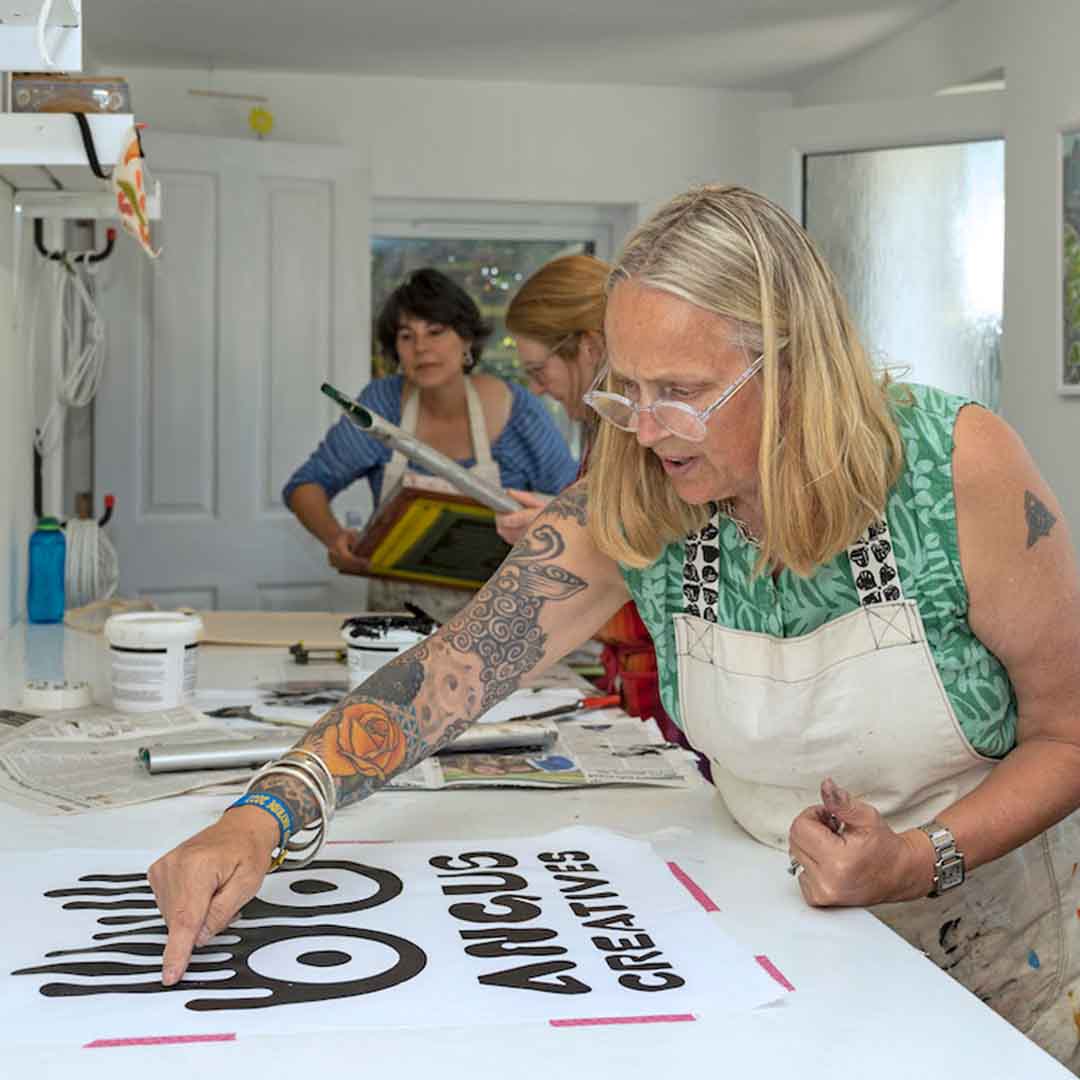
(63, 256)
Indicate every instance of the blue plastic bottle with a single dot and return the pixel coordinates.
(45, 589)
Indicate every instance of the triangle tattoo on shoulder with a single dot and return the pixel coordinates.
(1039, 520)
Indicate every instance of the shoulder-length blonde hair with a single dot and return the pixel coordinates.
(564, 298)
(830, 448)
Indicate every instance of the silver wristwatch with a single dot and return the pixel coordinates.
(948, 861)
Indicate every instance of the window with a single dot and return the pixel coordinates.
(916, 236)
(487, 248)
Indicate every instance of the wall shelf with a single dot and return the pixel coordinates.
(79, 204)
(54, 139)
(43, 161)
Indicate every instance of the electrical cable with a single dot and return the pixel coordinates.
(76, 385)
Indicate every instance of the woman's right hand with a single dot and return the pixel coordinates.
(512, 526)
(341, 553)
(201, 885)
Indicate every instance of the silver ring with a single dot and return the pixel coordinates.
(794, 866)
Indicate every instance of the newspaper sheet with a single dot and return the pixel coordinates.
(82, 759)
(608, 747)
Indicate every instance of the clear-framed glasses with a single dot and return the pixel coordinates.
(535, 372)
(680, 419)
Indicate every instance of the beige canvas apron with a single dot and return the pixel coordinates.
(860, 699)
(439, 602)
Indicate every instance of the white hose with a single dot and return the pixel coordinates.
(42, 26)
(92, 570)
(78, 379)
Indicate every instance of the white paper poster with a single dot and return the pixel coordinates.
(578, 925)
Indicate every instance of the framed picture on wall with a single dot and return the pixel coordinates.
(1069, 370)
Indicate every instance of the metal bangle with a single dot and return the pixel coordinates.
(300, 756)
(313, 845)
(303, 772)
(292, 769)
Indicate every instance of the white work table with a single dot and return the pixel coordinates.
(865, 1005)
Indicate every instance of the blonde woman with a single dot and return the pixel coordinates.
(863, 596)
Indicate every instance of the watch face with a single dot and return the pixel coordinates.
(950, 874)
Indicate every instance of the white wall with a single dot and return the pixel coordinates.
(471, 140)
(16, 481)
(1036, 45)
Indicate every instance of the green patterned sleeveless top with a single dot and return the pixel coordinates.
(921, 512)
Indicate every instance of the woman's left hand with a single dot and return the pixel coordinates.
(849, 857)
(514, 525)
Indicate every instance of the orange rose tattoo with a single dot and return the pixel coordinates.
(366, 741)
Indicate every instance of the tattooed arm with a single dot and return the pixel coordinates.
(553, 591)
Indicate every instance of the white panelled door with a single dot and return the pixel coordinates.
(216, 352)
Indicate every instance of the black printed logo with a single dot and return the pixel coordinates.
(235, 959)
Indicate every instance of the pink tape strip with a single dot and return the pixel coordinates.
(692, 887)
(774, 971)
(596, 1021)
(161, 1040)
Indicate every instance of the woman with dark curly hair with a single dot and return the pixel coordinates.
(432, 332)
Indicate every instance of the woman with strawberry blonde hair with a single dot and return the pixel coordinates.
(557, 319)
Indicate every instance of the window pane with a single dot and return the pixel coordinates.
(489, 270)
(916, 237)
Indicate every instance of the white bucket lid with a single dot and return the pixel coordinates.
(149, 629)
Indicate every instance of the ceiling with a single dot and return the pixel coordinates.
(743, 44)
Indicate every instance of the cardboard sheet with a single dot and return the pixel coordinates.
(280, 629)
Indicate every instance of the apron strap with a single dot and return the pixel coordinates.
(701, 570)
(395, 467)
(871, 558)
(481, 444)
(873, 566)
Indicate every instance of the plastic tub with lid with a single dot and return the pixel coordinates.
(154, 659)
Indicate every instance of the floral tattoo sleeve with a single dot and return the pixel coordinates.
(418, 702)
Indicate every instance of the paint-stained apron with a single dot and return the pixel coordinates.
(438, 601)
(860, 699)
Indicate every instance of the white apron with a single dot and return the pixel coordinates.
(860, 699)
(438, 601)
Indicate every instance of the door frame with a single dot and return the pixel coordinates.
(787, 135)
